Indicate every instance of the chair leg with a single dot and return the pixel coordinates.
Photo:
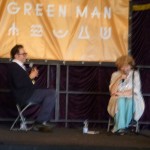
(11, 128)
(110, 123)
(137, 127)
(108, 127)
(23, 123)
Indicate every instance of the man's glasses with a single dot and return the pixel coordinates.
(24, 54)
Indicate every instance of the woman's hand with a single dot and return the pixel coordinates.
(117, 94)
(123, 76)
(125, 93)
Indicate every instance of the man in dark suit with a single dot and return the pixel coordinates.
(24, 91)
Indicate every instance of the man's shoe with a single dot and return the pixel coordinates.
(35, 128)
(48, 124)
(41, 128)
(45, 129)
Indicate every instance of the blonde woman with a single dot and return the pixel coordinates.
(126, 102)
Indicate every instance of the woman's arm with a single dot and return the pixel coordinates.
(115, 83)
(114, 87)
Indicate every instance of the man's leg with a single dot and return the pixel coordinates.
(46, 98)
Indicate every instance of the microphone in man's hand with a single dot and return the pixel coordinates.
(31, 64)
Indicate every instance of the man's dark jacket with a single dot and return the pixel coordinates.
(21, 84)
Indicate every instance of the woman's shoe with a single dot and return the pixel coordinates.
(121, 132)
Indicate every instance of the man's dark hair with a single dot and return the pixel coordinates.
(15, 50)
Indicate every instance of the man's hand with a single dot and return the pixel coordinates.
(34, 73)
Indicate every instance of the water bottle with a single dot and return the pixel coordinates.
(85, 127)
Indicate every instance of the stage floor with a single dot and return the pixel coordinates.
(66, 138)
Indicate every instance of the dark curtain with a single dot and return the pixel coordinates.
(140, 46)
(92, 106)
(140, 30)
(81, 79)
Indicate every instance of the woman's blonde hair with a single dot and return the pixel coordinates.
(125, 60)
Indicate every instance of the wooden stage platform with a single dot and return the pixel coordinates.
(69, 139)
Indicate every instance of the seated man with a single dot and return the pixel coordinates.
(24, 91)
